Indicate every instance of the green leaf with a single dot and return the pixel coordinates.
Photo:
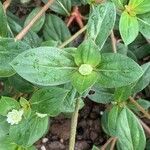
(101, 95)
(119, 3)
(147, 145)
(95, 148)
(113, 116)
(144, 24)
(3, 22)
(7, 104)
(49, 101)
(9, 49)
(29, 130)
(31, 37)
(55, 29)
(38, 25)
(51, 43)
(7, 144)
(46, 66)
(82, 82)
(109, 120)
(70, 101)
(128, 27)
(144, 80)
(135, 3)
(88, 53)
(140, 6)
(130, 132)
(4, 126)
(104, 122)
(122, 93)
(62, 7)
(101, 22)
(20, 84)
(116, 70)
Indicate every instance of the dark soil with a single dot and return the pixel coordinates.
(89, 130)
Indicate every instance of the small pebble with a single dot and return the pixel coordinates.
(101, 112)
(43, 147)
(44, 140)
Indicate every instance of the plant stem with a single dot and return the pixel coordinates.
(6, 4)
(74, 121)
(147, 129)
(113, 41)
(73, 37)
(32, 22)
(107, 143)
(113, 144)
(147, 115)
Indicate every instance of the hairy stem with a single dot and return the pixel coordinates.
(107, 143)
(74, 121)
(6, 4)
(32, 22)
(139, 107)
(113, 42)
(147, 129)
(113, 144)
(73, 37)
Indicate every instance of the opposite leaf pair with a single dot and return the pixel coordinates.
(49, 66)
(133, 19)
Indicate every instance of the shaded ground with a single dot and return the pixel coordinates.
(89, 130)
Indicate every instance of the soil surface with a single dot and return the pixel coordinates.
(89, 130)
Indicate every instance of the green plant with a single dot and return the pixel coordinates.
(58, 75)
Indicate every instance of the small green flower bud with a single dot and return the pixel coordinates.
(85, 69)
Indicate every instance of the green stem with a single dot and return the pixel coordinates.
(74, 121)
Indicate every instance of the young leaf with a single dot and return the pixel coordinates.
(88, 53)
(130, 131)
(29, 130)
(44, 66)
(38, 25)
(3, 22)
(81, 82)
(144, 24)
(9, 49)
(101, 22)
(7, 104)
(62, 7)
(49, 101)
(55, 29)
(140, 6)
(128, 27)
(144, 80)
(116, 70)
